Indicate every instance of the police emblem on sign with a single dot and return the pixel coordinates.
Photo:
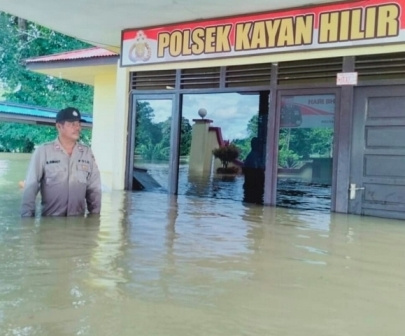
(140, 50)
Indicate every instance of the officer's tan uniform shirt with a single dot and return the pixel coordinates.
(66, 182)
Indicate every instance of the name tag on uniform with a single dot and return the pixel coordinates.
(52, 161)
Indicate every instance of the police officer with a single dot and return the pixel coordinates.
(64, 171)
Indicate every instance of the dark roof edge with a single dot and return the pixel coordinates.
(95, 61)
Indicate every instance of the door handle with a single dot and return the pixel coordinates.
(353, 190)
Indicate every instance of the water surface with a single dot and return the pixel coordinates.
(158, 265)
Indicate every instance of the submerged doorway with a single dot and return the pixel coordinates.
(172, 143)
(150, 152)
(305, 150)
(216, 121)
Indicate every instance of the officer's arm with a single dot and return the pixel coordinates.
(32, 183)
(93, 192)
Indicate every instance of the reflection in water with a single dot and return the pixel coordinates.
(305, 157)
(236, 129)
(303, 196)
(152, 264)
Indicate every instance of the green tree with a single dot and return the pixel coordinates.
(287, 158)
(151, 151)
(252, 129)
(322, 141)
(19, 40)
(23, 137)
(253, 126)
(307, 142)
(185, 135)
(297, 144)
(152, 140)
(146, 131)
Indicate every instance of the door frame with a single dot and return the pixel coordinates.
(359, 118)
(272, 146)
(174, 137)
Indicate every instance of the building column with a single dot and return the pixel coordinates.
(200, 153)
(270, 187)
(103, 136)
(120, 127)
(343, 141)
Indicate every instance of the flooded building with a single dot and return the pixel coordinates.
(311, 99)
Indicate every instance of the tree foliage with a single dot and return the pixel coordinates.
(152, 140)
(23, 138)
(295, 144)
(252, 131)
(20, 40)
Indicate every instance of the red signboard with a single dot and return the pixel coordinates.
(356, 23)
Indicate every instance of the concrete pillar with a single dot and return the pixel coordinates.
(201, 147)
(214, 143)
(104, 107)
(118, 157)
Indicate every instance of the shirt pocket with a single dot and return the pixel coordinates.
(54, 174)
(83, 172)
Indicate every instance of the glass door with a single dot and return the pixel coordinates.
(222, 145)
(151, 151)
(305, 149)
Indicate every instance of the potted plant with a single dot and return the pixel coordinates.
(226, 153)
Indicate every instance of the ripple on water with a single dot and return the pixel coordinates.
(151, 264)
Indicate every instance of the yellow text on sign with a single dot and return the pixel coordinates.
(347, 25)
(289, 31)
(196, 42)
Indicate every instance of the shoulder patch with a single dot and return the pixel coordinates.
(49, 143)
(82, 144)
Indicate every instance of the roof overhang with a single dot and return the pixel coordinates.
(33, 120)
(100, 22)
(80, 66)
(26, 114)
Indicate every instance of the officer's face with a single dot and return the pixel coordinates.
(70, 129)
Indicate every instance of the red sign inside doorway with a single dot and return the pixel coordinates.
(357, 23)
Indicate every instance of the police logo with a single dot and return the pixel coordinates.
(140, 50)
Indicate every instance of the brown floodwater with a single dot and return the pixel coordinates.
(152, 264)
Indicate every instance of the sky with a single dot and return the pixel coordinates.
(230, 111)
